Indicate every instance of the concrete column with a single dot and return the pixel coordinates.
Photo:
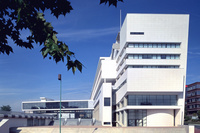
(117, 114)
(120, 117)
(125, 118)
(125, 101)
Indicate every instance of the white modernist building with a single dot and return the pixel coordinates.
(142, 83)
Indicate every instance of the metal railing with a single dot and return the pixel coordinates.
(23, 114)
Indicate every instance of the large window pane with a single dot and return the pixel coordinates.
(152, 100)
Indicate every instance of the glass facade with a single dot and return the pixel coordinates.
(55, 105)
(147, 100)
(137, 117)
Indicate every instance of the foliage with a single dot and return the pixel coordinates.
(194, 120)
(6, 108)
(194, 114)
(19, 15)
(187, 118)
(110, 2)
(198, 114)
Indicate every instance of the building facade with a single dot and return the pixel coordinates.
(71, 109)
(193, 98)
(142, 83)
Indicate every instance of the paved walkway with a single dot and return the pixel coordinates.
(98, 129)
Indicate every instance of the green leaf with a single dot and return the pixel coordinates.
(45, 53)
(18, 14)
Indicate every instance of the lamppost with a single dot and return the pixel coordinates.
(59, 78)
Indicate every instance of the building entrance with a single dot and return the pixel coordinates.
(137, 117)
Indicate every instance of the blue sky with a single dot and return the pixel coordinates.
(89, 30)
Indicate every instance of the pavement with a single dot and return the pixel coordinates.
(97, 129)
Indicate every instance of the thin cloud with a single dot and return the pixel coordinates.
(194, 53)
(9, 94)
(88, 33)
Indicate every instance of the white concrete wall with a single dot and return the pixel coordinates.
(159, 80)
(123, 34)
(107, 110)
(157, 118)
(108, 69)
(178, 117)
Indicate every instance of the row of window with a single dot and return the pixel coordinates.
(153, 45)
(193, 87)
(193, 100)
(152, 100)
(152, 66)
(153, 56)
(193, 106)
(189, 94)
(55, 105)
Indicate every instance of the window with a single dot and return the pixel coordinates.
(130, 45)
(135, 56)
(106, 123)
(177, 45)
(130, 56)
(155, 45)
(163, 45)
(136, 45)
(144, 57)
(173, 45)
(137, 33)
(163, 56)
(140, 45)
(106, 101)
